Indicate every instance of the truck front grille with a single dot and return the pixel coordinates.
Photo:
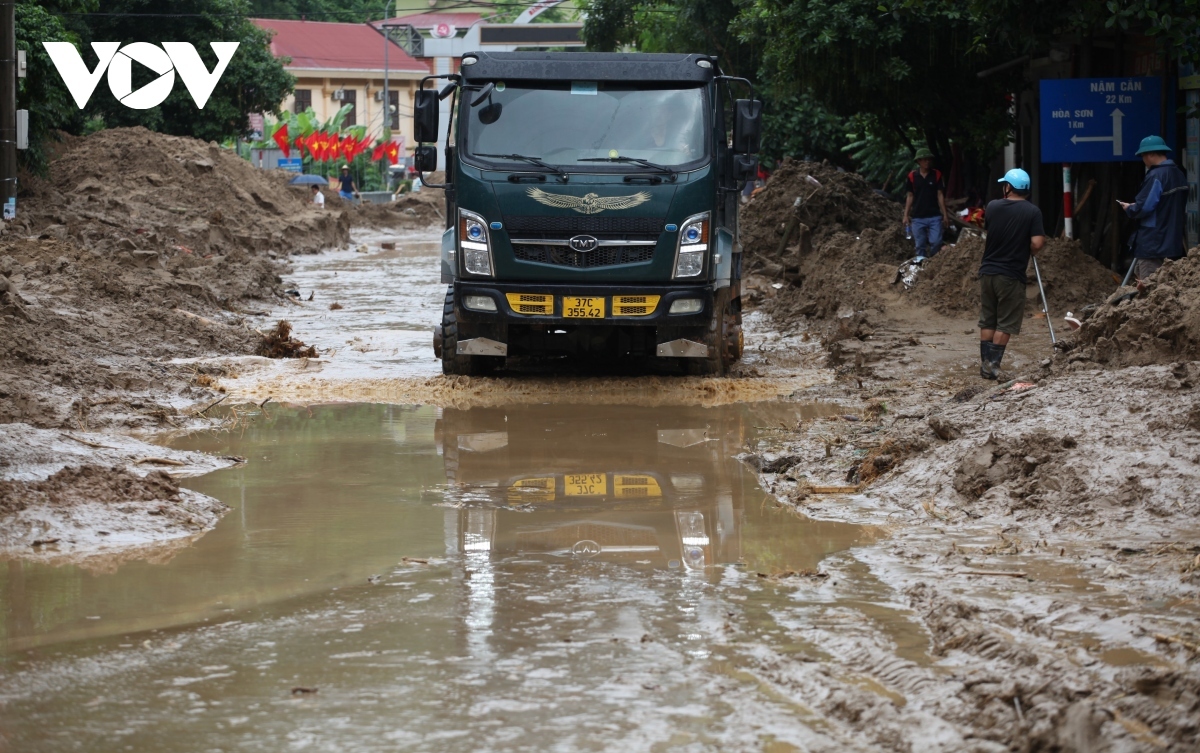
(649, 228)
(563, 256)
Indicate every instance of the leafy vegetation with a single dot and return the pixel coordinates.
(254, 81)
(886, 76)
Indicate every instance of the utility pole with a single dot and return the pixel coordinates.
(387, 43)
(8, 105)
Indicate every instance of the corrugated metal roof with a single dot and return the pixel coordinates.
(430, 20)
(320, 44)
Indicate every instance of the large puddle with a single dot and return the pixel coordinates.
(537, 577)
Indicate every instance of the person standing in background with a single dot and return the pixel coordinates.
(925, 205)
(1160, 209)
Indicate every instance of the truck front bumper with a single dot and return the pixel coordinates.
(622, 305)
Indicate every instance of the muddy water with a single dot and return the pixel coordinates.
(539, 577)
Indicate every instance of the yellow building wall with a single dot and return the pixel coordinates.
(368, 111)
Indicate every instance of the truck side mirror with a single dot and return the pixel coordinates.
(747, 126)
(745, 167)
(425, 116)
(425, 159)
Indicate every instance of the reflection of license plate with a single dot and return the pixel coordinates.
(585, 485)
(583, 308)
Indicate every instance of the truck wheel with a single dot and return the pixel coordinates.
(445, 345)
(715, 338)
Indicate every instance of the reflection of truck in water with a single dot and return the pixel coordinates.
(616, 483)
(592, 204)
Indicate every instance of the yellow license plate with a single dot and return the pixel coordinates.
(583, 308)
(585, 485)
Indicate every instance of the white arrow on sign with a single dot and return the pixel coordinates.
(1115, 138)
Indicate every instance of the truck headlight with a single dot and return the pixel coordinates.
(474, 243)
(692, 246)
(693, 539)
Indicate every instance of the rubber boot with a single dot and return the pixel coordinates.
(985, 360)
(997, 356)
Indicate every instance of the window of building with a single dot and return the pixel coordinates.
(303, 100)
(351, 99)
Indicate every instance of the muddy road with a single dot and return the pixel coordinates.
(851, 547)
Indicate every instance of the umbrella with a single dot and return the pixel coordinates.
(308, 180)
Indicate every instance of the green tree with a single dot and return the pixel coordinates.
(255, 81)
(42, 91)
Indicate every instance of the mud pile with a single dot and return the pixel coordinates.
(84, 331)
(420, 209)
(87, 483)
(1159, 325)
(845, 273)
(130, 187)
(844, 203)
(949, 284)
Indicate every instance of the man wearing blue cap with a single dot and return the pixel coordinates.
(1160, 209)
(1014, 232)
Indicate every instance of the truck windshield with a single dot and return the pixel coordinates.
(564, 124)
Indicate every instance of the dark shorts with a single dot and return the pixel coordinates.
(1002, 304)
(1143, 268)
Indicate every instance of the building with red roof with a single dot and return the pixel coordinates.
(337, 64)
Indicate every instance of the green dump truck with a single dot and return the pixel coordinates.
(592, 205)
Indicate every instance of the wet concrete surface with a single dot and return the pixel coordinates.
(541, 577)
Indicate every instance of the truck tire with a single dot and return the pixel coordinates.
(445, 345)
(716, 338)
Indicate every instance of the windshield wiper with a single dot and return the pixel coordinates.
(634, 160)
(531, 160)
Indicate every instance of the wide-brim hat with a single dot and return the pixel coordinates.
(1153, 144)
(923, 153)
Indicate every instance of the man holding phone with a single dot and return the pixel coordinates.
(1160, 209)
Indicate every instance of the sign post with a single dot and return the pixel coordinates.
(1098, 119)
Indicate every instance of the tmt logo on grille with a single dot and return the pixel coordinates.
(583, 243)
(166, 61)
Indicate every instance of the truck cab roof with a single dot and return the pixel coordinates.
(643, 67)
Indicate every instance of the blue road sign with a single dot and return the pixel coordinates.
(1098, 119)
(295, 164)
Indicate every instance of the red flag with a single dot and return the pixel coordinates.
(335, 148)
(281, 138)
(377, 153)
(311, 143)
(323, 146)
(299, 144)
(349, 147)
(393, 152)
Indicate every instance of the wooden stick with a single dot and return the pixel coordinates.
(1176, 639)
(212, 405)
(159, 461)
(1087, 194)
(991, 572)
(84, 441)
(197, 317)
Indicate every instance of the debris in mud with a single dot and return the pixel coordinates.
(335, 306)
(784, 575)
(1160, 324)
(844, 203)
(278, 343)
(302, 690)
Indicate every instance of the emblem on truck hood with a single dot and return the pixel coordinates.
(588, 204)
